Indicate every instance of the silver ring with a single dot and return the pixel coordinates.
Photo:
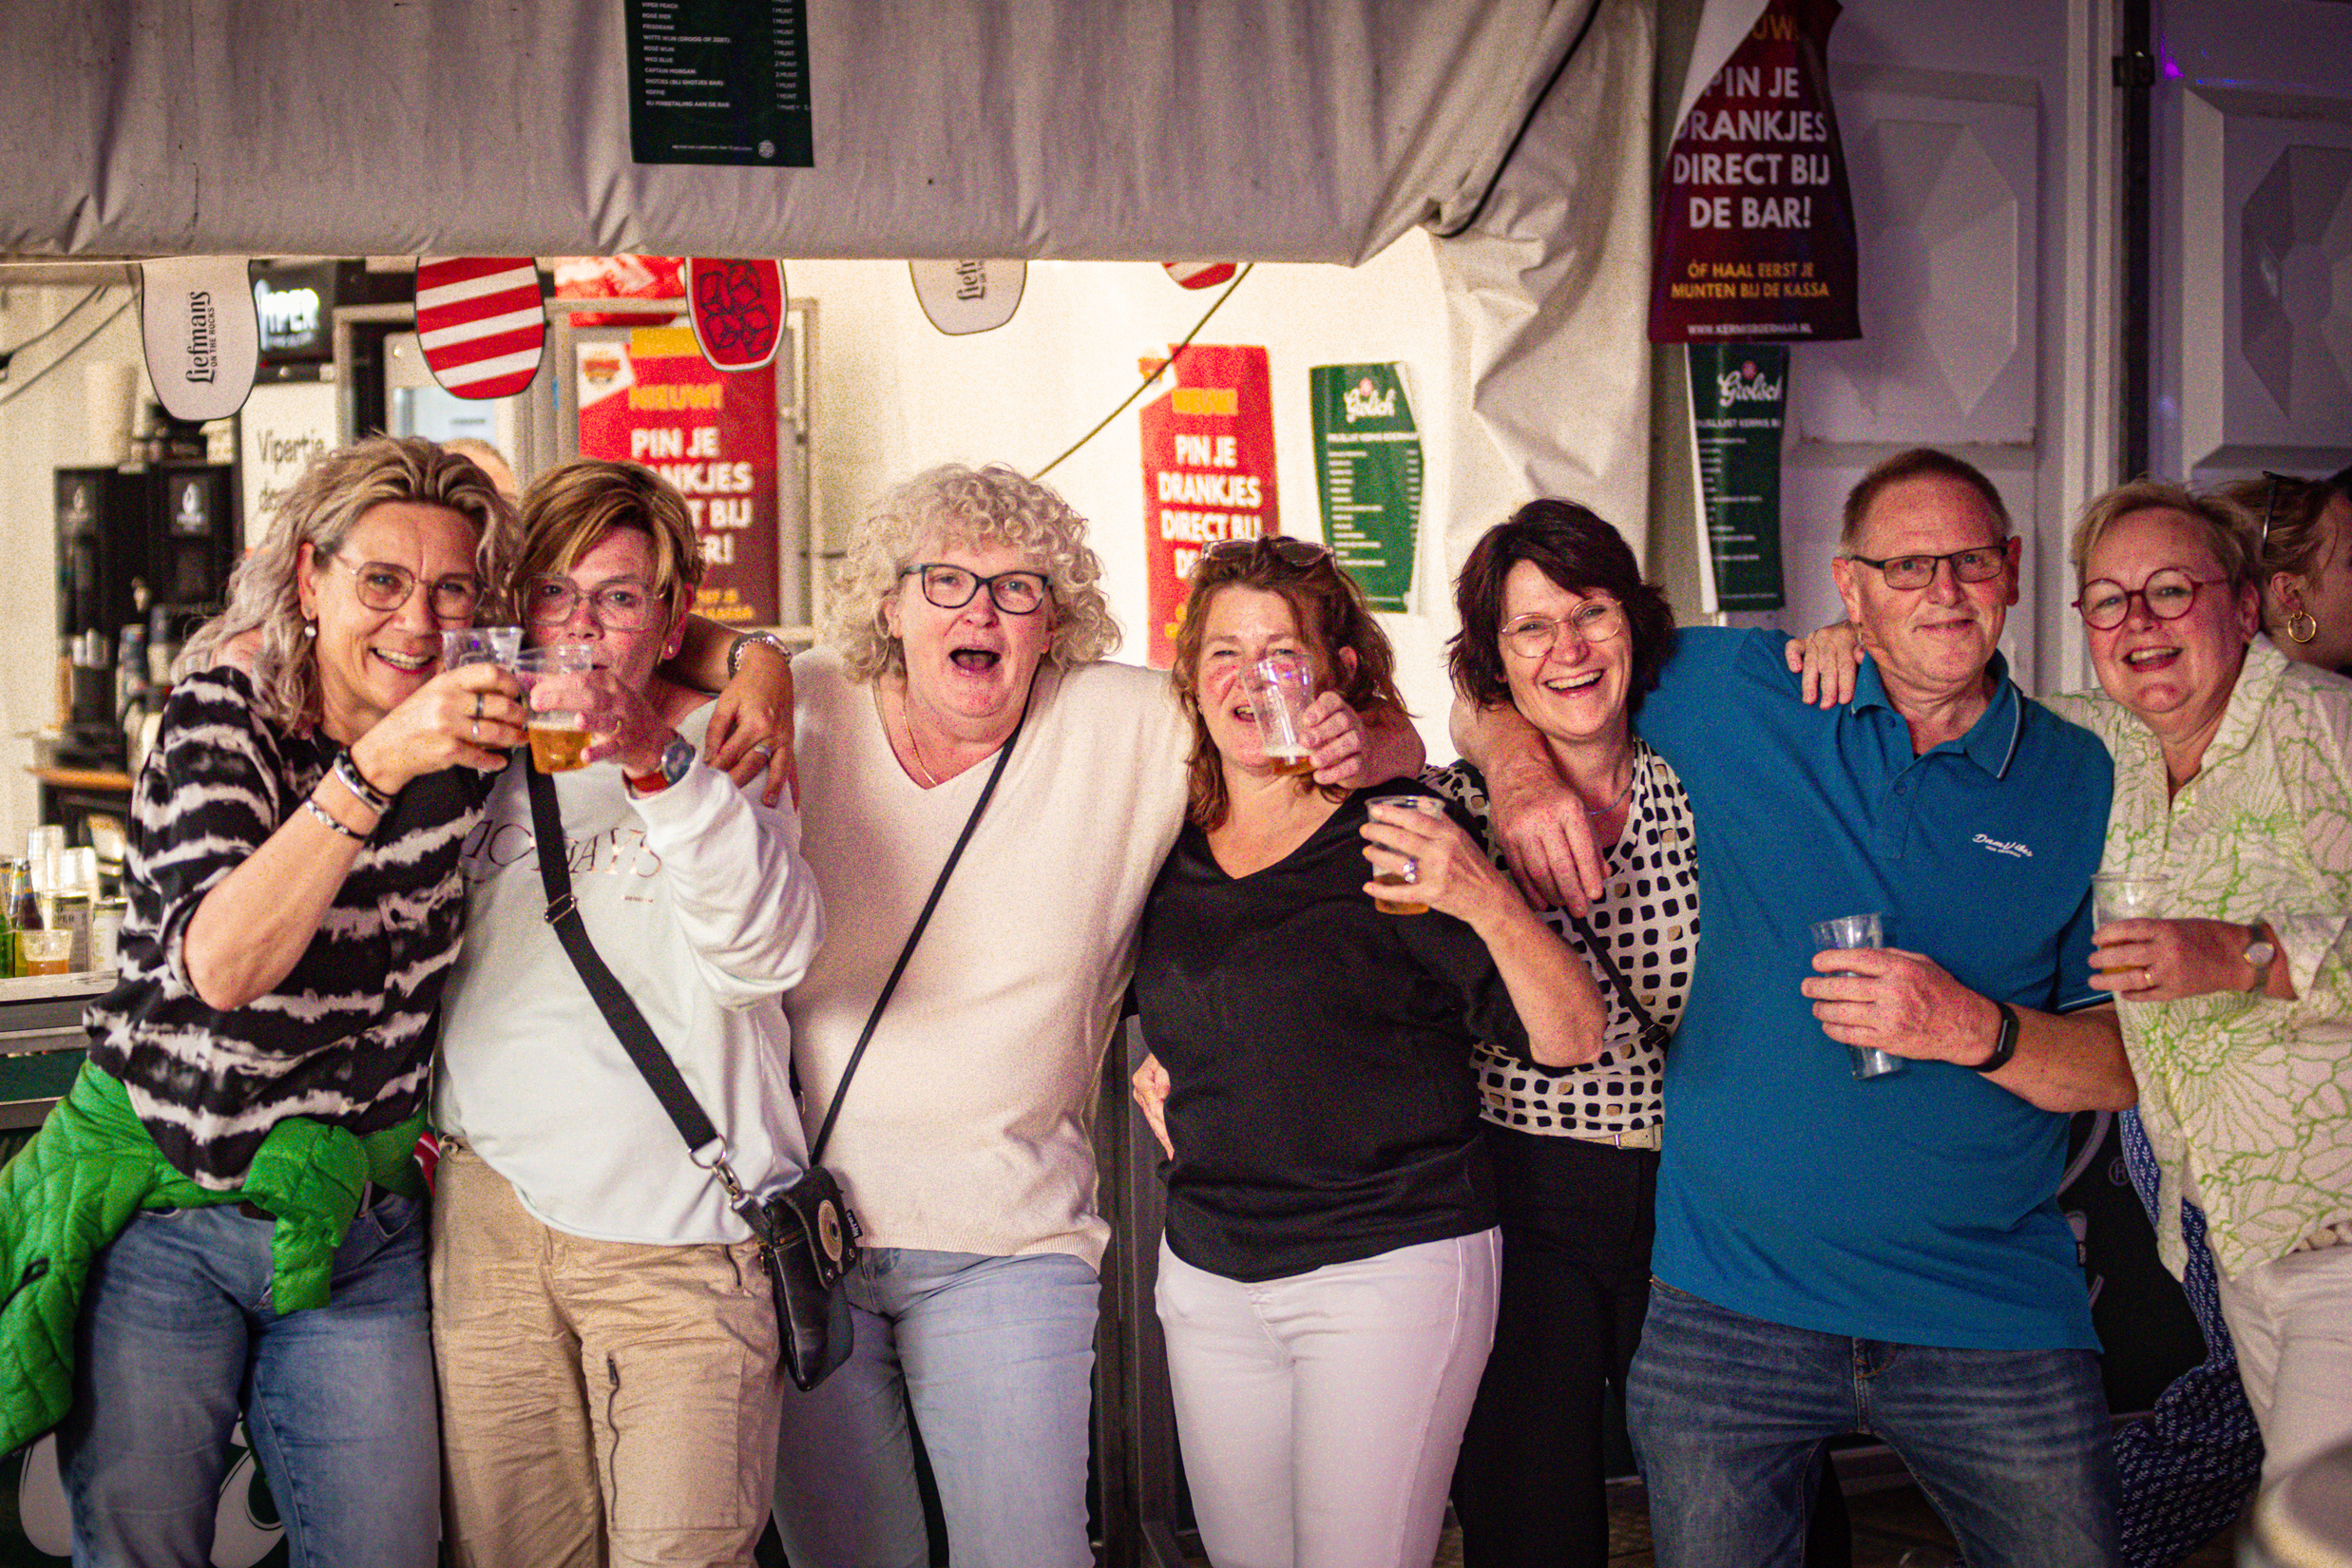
(765, 748)
(2148, 978)
(1412, 870)
(477, 707)
(475, 730)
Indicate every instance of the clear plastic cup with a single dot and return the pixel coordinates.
(1280, 688)
(1428, 805)
(1858, 930)
(47, 952)
(559, 736)
(464, 645)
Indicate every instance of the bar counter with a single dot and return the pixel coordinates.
(42, 1040)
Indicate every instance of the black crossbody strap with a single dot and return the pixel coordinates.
(636, 1035)
(833, 1112)
(1599, 950)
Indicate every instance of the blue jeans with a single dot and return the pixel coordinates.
(177, 1333)
(995, 1357)
(1727, 1412)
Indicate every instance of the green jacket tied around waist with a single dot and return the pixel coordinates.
(92, 1166)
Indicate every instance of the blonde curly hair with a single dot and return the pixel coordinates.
(976, 507)
(321, 510)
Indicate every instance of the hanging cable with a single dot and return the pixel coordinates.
(7, 355)
(1145, 384)
(79, 344)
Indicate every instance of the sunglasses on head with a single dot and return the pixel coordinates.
(1282, 546)
(2338, 483)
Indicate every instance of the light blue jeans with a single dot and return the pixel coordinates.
(1728, 1414)
(177, 1333)
(995, 1357)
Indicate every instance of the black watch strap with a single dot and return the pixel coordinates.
(2004, 1044)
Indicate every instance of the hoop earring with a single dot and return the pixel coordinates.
(2301, 627)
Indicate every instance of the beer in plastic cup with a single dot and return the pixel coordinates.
(1428, 805)
(559, 736)
(1280, 689)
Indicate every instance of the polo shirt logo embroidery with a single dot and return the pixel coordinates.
(2018, 851)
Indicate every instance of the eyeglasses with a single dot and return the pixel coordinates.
(1533, 635)
(1282, 546)
(385, 587)
(1906, 572)
(624, 606)
(952, 587)
(2169, 593)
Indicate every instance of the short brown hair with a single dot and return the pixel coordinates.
(574, 504)
(1917, 463)
(1579, 552)
(1331, 613)
(2229, 533)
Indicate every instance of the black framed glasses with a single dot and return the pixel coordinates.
(2169, 593)
(385, 587)
(627, 605)
(1981, 564)
(952, 587)
(1533, 635)
(1282, 546)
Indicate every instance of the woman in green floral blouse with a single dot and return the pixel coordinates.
(2234, 778)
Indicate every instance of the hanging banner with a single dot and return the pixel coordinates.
(1368, 469)
(481, 323)
(1208, 471)
(202, 342)
(968, 297)
(719, 82)
(1739, 398)
(1201, 275)
(655, 400)
(1756, 236)
(737, 310)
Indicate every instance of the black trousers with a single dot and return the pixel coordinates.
(1575, 1283)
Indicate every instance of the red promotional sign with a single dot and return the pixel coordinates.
(1755, 239)
(1208, 471)
(655, 400)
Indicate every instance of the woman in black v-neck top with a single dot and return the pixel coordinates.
(1327, 1277)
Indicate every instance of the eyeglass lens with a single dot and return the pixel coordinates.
(952, 587)
(1916, 571)
(1534, 636)
(616, 606)
(2168, 594)
(385, 587)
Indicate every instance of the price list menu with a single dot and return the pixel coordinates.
(719, 82)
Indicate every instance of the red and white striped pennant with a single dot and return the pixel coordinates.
(481, 323)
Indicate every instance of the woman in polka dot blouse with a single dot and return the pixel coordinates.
(1556, 619)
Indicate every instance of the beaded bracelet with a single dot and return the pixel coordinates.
(311, 805)
(347, 771)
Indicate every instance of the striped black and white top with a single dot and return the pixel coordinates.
(347, 1037)
(1650, 919)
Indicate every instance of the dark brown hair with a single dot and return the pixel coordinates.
(1570, 545)
(1918, 463)
(1332, 615)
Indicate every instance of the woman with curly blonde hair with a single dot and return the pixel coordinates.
(971, 622)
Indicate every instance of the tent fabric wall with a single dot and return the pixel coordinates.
(1300, 131)
(1295, 130)
(1548, 292)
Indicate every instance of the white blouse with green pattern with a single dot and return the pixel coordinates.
(2251, 1097)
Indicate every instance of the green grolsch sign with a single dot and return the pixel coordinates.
(1368, 471)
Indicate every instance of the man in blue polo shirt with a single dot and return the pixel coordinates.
(1886, 1256)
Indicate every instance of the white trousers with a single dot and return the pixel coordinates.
(2292, 1321)
(1320, 1414)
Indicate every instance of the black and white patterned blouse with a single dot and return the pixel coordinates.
(346, 1036)
(1650, 919)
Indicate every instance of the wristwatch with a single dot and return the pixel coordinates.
(735, 649)
(2261, 954)
(677, 758)
(2004, 1043)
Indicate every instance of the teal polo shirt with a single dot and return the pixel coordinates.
(1920, 1207)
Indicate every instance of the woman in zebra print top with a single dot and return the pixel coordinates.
(294, 906)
